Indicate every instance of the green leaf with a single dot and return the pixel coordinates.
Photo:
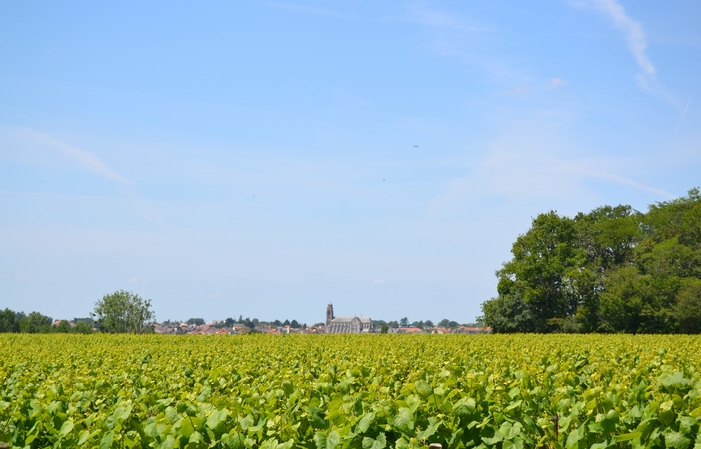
(324, 441)
(196, 437)
(401, 444)
(404, 420)
(423, 388)
(626, 436)
(245, 422)
(686, 424)
(217, 417)
(365, 422)
(464, 407)
(510, 430)
(574, 437)
(289, 444)
(428, 432)
(516, 443)
(675, 440)
(491, 441)
(84, 437)
(171, 414)
(269, 444)
(675, 379)
(378, 443)
(66, 428)
(106, 441)
(413, 402)
(233, 441)
(122, 412)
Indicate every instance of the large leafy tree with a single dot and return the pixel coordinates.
(124, 312)
(613, 270)
(547, 267)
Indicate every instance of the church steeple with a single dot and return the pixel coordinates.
(329, 313)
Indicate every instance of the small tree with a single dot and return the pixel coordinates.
(124, 312)
(83, 328)
(196, 321)
(35, 323)
(8, 321)
(404, 322)
(63, 327)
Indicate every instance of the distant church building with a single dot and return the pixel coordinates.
(346, 324)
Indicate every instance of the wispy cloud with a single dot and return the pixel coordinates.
(468, 41)
(682, 117)
(632, 30)
(420, 13)
(379, 281)
(83, 158)
(523, 169)
(555, 83)
(311, 10)
(634, 35)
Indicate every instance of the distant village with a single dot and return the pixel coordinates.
(215, 327)
(332, 325)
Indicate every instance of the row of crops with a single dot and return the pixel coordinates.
(335, 391)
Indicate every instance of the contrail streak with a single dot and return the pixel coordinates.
(683, 114)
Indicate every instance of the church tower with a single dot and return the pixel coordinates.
(329, 313)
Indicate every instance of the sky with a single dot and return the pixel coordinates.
(266, 158)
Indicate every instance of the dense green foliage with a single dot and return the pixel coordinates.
(352, 391)
(124, 312)
(36, 323)
(611, 270)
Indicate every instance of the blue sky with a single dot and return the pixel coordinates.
(265, 158)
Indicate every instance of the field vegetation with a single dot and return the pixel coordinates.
(352, 391)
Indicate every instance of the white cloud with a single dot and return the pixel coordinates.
(84, 159)
(379, 281)
(637, 44)
(632, 30)
(523, 168)
(555, 83)
(419, 13)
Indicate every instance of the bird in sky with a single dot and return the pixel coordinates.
(416, 146)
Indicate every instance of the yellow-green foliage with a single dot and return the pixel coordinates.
(370, 392)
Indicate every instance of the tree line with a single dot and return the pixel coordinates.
(119, 312)
(35, 323)
(613, 269)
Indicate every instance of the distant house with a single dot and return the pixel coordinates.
(473, 330)
(408, 330)
(346, 324)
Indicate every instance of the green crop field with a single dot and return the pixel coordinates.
(356, 391)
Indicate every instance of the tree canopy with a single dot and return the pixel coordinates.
(611, 270)
(124, 312)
